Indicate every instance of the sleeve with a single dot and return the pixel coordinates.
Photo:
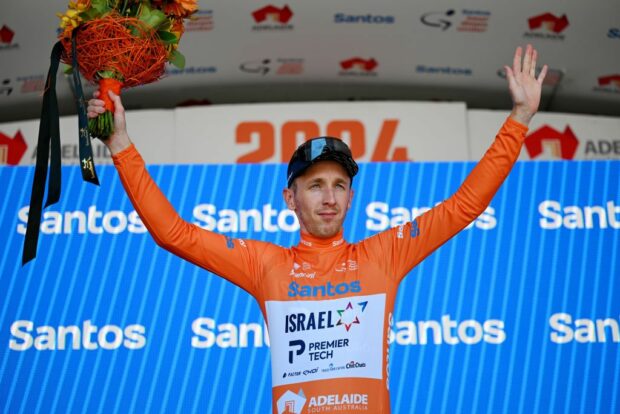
(234, 259)
(409, 244)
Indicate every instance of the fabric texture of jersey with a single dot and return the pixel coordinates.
(328, 303)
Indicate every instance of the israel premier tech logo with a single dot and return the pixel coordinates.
(291, 403)
(347, 317)
(547, 26)
(12, 149)
(563, 144)
(272, 18)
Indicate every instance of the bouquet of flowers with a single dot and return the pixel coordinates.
(122, 43)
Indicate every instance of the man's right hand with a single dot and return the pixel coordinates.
(119, 140)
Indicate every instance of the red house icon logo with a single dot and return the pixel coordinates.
(275, 14)
(367, 65)
(609, 80)
(6, 35)
(551, 22)
(12, 149)
(564, 144)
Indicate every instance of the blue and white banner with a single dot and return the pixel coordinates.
(519, 313)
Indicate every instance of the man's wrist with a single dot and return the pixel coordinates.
(118, 143)
(523, 117)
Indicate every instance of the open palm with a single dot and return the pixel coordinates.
(525, 88)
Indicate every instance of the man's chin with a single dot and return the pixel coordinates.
(328, 232)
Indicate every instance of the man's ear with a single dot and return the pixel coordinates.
(289, 198)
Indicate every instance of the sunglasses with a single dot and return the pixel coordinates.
(311, 150)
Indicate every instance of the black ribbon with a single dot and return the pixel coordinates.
(87, 163)
(49, 138)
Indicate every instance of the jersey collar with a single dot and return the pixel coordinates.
(309, 241)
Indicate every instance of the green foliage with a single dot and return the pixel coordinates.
(152, 18)
(177, 59)
(167, 37)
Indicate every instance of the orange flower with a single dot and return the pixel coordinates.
(82, 4)
(71, 19)
(180, 8)
(177, 28)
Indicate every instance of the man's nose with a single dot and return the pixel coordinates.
(329, 197)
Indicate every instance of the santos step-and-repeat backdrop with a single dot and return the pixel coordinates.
(517, 314)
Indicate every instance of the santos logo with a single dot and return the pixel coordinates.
(566, 330)
(382, 216)
(555, 216)
(451, 332)
(295, 289)
(92, 221)
(363, 18)
(88, 337)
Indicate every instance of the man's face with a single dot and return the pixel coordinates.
(321, 198)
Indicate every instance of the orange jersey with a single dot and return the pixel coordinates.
(328, 303)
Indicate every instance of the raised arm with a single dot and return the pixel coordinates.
(233, 259)
(435, 227)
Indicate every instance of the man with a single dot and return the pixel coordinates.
(328, 304)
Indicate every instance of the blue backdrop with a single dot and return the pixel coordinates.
(143, 331)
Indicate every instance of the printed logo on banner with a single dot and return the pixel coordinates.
(547, 26)
(443, 70)
(29, 84)
(608, 84)
(260, 133)
(278, 66)
(6, 38)
(563, 145)
(12, 149)
(190, 70)
(553, 216)
(201, 21)
(291, 403)
(614, 33)
(33, 83)
(6, 87)
(272, 18)
(340, 18)
(70, 153)
(467, 20)
(87, 337)
(357, 66)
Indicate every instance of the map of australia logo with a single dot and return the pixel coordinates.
(12, 149)
(547, 26)
(563, 144)
(273, 18)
